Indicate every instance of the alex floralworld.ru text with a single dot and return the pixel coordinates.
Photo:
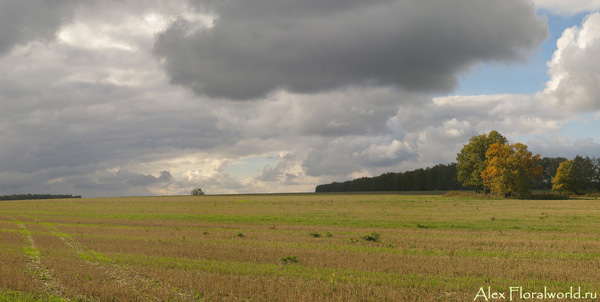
(516, 292)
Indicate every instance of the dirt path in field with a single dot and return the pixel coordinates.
(36, 268)
(145, 288)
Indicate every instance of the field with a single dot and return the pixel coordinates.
(298, 247)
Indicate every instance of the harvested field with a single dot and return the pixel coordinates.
(303, 247)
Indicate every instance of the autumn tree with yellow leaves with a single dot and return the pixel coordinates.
(510, 169)
(566, 178)
(472, 159)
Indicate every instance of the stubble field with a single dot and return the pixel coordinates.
(297, 247)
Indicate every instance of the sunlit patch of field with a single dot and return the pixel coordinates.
(304, 247)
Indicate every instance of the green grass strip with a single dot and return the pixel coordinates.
(13, 296)
(346, 276)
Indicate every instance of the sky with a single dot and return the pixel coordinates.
(147, 97)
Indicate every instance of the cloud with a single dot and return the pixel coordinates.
(575, 68)
(254, 48)
(213, 183)
(333, 133)
(438, 129)
(561, 146)
(568, 7)
(108, 182)
(111, 182)
(346, 155)
(332, 114)
(283, 172)
(73, 110)
(513, 115)
(144, 180)
(34, 20)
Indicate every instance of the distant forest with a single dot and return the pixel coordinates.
(36, 196)
(443, 177)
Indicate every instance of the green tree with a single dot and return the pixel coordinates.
(197, 191)
(566, 178)
(511, 169)
(584, 172)
(419, 180)
(596, 178)
(472, 160)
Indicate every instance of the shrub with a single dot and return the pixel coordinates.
(548, 196)
(535, 196)
(315, 235)
(464, 194)
(289, 259)
(371, 237)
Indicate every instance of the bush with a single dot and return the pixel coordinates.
(548, 196)
(534, 196)
(289, 259)
(465, 194)
(371, 237)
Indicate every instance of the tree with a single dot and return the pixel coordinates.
(439, 177)
(472, 159)
(596, 178)
(550, 165)
(566, 178)
(511, 169)
(584, 172)
(197, 191)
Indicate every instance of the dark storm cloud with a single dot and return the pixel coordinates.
(257, 47)
(24, 20)
(89, 131)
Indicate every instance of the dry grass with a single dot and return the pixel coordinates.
(13, 261)
(429, 248)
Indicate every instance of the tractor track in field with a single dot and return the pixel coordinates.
(36, 268)
(122, 275)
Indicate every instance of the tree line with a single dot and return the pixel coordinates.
(488, 163)
(37, 196)
(439, 177)
(584, 173)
